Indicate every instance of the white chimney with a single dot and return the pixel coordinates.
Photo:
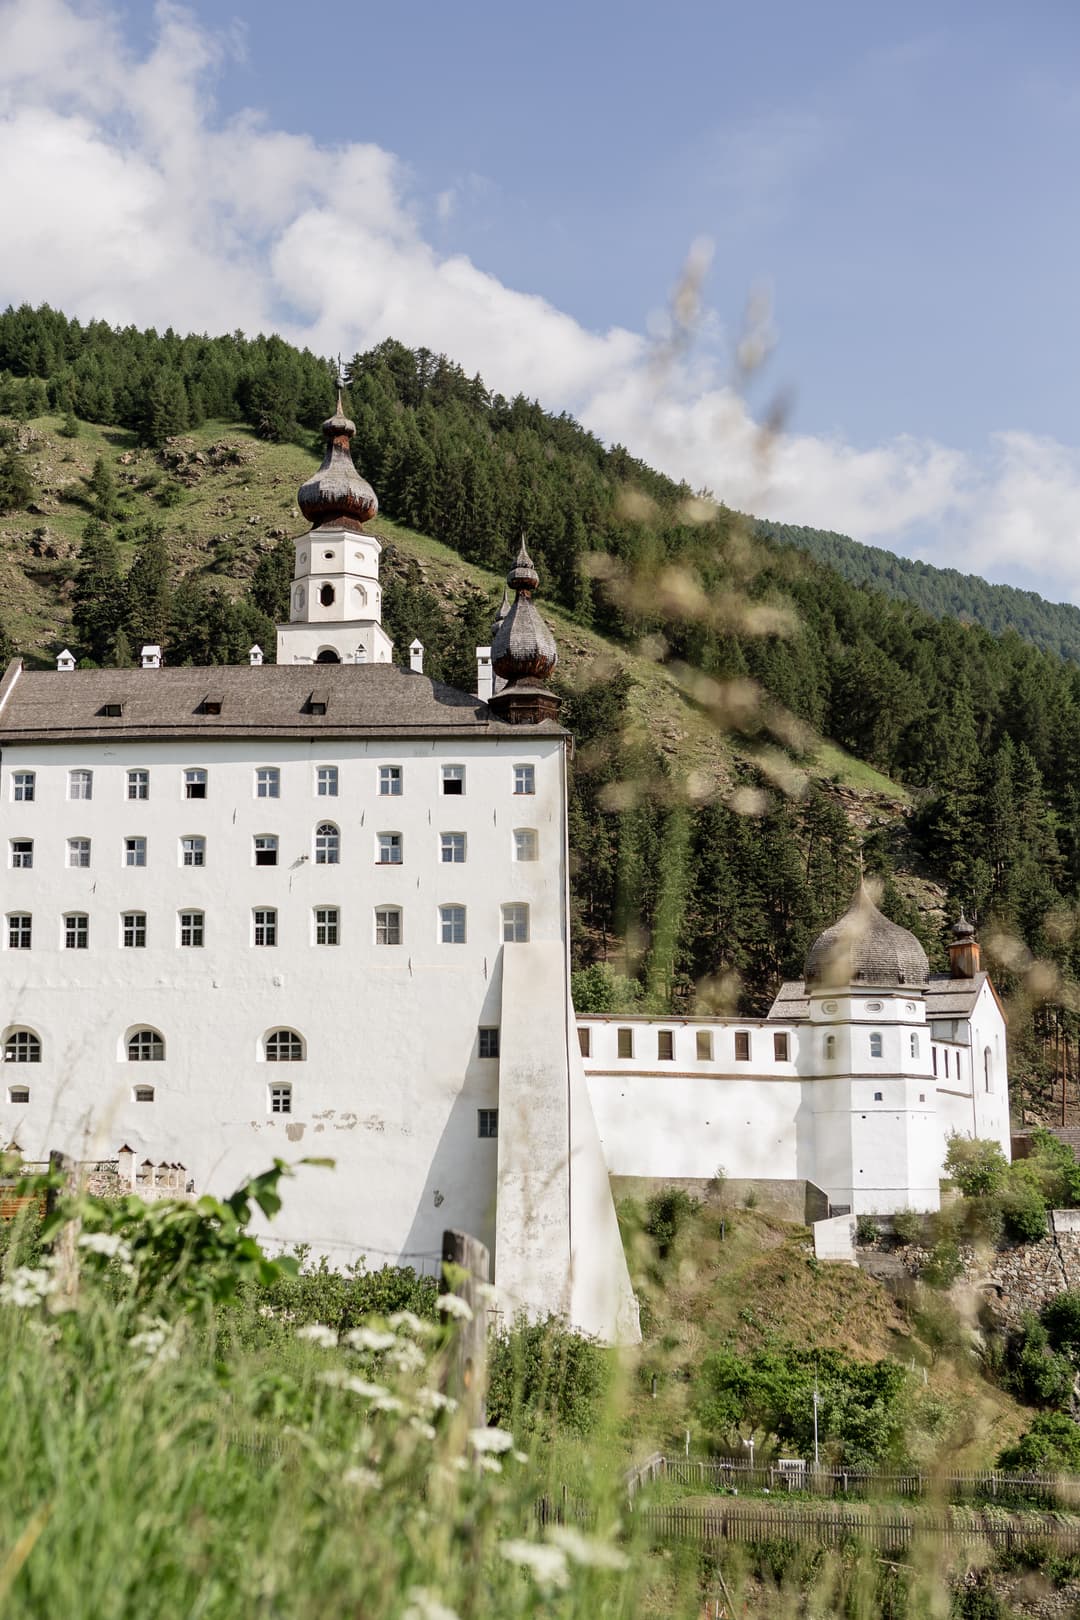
(66, 660)
(485, 675)
(255, 655)
(125, 1165)
(416, 656)
(151, 657)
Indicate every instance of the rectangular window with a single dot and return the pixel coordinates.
(327, 923)
(265, 926)
(703, 1045)
(453, 780)
(489, 1041)
(452, 925)
(138, 784)
(525, 844)
(134, 929)
(281, 1099)
(80, 784)
(134, 851)
(326, 781)
(22, 852)
(76, 931)
(22, 786)
(524, 778)
(268, 782)
(946, 1063)
(452, 847)
(781, 1049)
(933, 1057)
(388, 926)
(111, 711)
(191, 927)
(18, 1094)
(515, 920)
(742, 1046)
(390, 780)
(193, 851)
(584, 1040)
(625, 1040)
(487, 1122)
(879, 1096)
(665, 1045)
(195, 784)
(19, 931)
(265, 849)
(78, 852)
(388, 849)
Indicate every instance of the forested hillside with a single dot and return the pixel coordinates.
(944, 592)
(703, 663)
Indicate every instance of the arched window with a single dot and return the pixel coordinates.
(830, 1046)
(326, 595)
(19, 1094)
(361, 595)
(875, 1044)
(914, 1044)
(327, 656)
(327, 844)
(284, 1046)
(145, 1046)
(22, 1046)
(988, 1072)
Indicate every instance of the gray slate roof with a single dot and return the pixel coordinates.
(865, 948)
(268, 700)
(945, 998)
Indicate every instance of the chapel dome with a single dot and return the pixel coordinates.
(865, 948)
(522, 646)
(337, 494)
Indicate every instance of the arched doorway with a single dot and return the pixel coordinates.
(328, 656)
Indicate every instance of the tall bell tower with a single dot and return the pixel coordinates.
(335, 605)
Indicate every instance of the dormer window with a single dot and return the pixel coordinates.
(111, 711)
(211, 704)
(317, 702)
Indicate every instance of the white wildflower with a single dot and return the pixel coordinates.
(454, 1305)
(110, 1244)
(427, 1430)
(520, 1457)
(490, 1465)
(156, 1342)
(336, 1377)
(26, 1287)
(424, 1605)
(387, 1403)
(490, 1440)
(407, 1357)
(318, 1333)
(365, 1479)
(435, 1400)
(363, 1338)
(588, 1550)
(370, 1392)
(411, 1323)
(486, 1291)
(546, 1565)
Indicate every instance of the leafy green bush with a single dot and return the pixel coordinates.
(1023, 1213)
(597, 989)
(944, 1264)
(543, 1378)
(1054, 1165)
(1035, 1372)
(867, 1229)
(977, 1166)
(666, 1213)
(908, 1227)
(1060, 1317)
(1051, 1445)
(975, 1599)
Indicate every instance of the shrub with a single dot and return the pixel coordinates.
(542, 1377)
(976, 1166)
(975, 1599)
(1060, 1317)
(1034, 1371)
(665, 1215)
(1051, 1445)
(1054, 1167)
(1023, 1213)
(908, 1227)
(944, 1265)
(867, 1229)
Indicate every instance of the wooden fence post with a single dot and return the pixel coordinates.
(465, 1264)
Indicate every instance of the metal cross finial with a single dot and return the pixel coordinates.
(340, 372)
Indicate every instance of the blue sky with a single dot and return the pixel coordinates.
(900, 180)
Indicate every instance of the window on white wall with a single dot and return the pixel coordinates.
(487, 1122)
(327, 844)
(327, 925)
(488, 1041)
(390, 781)
(452, 925)
(192, 928)
(326, 781)
(525, 844)
(703, 1045)
(875, 1044)
(20, 929)
(78, 852)
(142, 1094)
(80, 784)
(914, 1041)
(524, 778)
(665, 1045)
(742, 1046)
(388, 925)
(266, 849)
(264, 925)
(452, 848)
(192, 852)
(584, 1040)
(18, 1094)
(138, 784)
(988, 1071)
(195, 783)
(625, 1043)
(133, 929)
(280, 1097)
(284, 1046)
(453, 780)
(22, 1046)
(22, 786)
(515, 920)
(781, 1047)
(22, 853)
(76, 931)
(145, 1046)
(388, 849)
(830, 1046)
(268, 782)
(134, 851)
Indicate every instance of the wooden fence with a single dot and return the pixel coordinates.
(1057, 1490)
(760, 1522)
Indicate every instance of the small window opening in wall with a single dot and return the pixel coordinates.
(328, 555)
(134, 851)
(18, 1094)
(453, 779)
(143, 1094)
(388, 926)
(22, 786)
(22, 1046)
(584, 1040)
(268, 782)
(830, 1046)
(988, 1077)
(211, 704)
(625, 1040)
(933, 1058)
(284, 1046)
(781, 1048)
(742, 1046)
(515, 919)
(665, 1046)
(327, 595)
(264, 926)
(281, 1099)
(875, 1044)
(138, 784)
(524, 778)
(489, 1041)
(133, 929)
(388, 849)
(266, 849)
(327, 925)
(326, 781)
(191, 928)
(922, 1096)
(526, 846)
(703, 1045)
(327, 844)
(487, 1122)
(195, 784)
(390, 780)
(316, 705)
(76, 931)
(452, 925)
(946, 1063)
(452, 847)
(192, 852)
(111, 711)
(22, 852)
(879, 1096)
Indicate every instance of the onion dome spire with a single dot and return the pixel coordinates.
(865, 948)
(963, 930)
(523, 648)
(336, 495)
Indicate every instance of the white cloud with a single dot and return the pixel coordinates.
(124, 196)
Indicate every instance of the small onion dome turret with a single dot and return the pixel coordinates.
(963, 931)
(336, 494)
(865, 948)
(522, 647)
